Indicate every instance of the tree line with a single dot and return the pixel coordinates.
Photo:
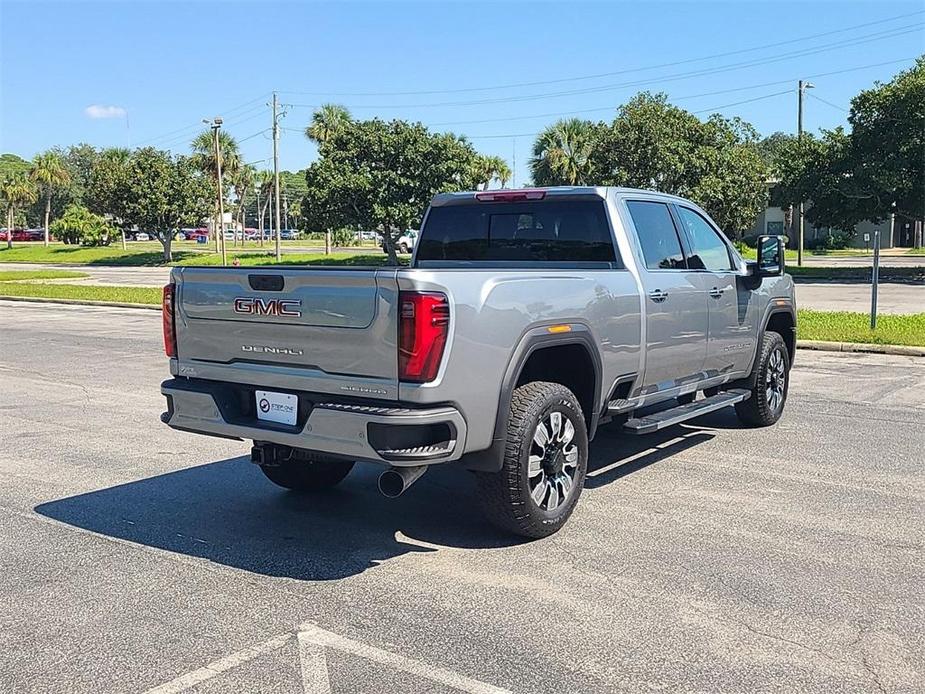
(380, 175)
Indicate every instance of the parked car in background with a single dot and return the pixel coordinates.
(289, 234)
(142, 236)
(405, 242)
(35, 235)
(196, 234)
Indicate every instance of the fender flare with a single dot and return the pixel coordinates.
(531, 341)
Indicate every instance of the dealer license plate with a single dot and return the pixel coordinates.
(276, 407)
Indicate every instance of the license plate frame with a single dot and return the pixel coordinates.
(276, 407)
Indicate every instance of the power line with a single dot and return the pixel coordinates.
(704, 110)
(648, 81)
(613, 107)
(617, 72)
(827, 103)
(198, 124)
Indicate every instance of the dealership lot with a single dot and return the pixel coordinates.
(709, 558)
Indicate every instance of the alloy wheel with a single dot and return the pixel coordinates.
(553, 461)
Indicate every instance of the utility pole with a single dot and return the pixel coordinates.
(216, 125)
(513, 162)
(276, 170)
(801, 89)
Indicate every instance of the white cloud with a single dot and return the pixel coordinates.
(100, 111)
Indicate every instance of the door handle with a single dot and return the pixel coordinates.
(717, 292)
(658, 296)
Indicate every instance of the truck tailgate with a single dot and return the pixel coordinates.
(323, 330)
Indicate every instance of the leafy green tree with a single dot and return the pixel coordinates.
(376, 174)
(204, 157)
(492, 168)
(562, 153)
(859, 175)
(242, 181)
(655, 145)
(16, 191)
(50, 174)
(326, 121)
(11, 164)
(80, 225)
(163, 193)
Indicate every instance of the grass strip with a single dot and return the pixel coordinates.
(114, 293)
(845, 326)
(17, 275)
(182, 255)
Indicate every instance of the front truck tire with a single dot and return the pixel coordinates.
(772, 380)
(307, 472)
(544, 465)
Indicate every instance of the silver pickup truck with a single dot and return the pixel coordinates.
(526, 320)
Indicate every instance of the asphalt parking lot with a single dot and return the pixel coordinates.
(709, 558)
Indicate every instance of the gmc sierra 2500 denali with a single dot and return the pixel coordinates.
(526, 319)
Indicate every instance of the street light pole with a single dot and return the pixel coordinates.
(801, 89)
(216, 125)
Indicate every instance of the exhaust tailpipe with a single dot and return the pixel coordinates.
(394, 481)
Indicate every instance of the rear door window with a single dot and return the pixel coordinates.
(658, 237)
(535, 231)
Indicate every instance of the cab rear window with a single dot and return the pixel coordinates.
(533, 231)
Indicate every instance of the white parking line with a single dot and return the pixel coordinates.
(191, 679)
(314, 666)
(312, 641)
(309, 634)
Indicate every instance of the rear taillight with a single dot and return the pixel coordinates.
(424, 321)
(167, 312)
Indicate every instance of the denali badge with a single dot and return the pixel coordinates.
(266, 349)
(256, 306)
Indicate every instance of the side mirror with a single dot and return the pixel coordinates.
(770, 256)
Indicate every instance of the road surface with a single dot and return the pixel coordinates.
(709, 558)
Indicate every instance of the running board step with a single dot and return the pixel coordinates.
(681, 413)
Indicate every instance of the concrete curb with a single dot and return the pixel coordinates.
(801, 344)
(79, 302)
(821, 346)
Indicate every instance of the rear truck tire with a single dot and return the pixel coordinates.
(307, 472)
(544, 465)
(772, 380)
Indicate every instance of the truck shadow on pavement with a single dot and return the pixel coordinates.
(227, 512)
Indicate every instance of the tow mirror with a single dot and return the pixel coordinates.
(770, 262)
(770, 256)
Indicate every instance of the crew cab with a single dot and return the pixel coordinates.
(526, 320)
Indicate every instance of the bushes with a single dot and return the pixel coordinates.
(79, 225)
(833, 240)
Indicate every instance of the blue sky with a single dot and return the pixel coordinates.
(169, 64)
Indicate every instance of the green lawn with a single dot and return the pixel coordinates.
(15, 275)
(184, 253)
(131, 295)
(269, 258)
(842, 326)
(916, 251)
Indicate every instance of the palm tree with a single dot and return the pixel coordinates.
(490, 169)
(16, 190)
(242, 181)
(326, 121)
(49, 173)
(264, 188)
(204, 158)
(562, 152)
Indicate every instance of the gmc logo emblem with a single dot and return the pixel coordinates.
(255, 306)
